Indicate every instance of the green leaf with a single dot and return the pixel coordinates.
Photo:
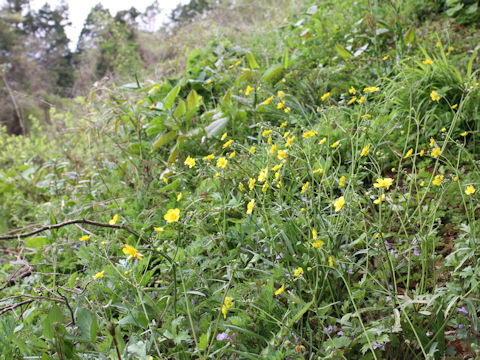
(180, 110)
(251, 60)
(300, 314)
(174, 153)
(87, 324)
(285, 59)
(217, 126)
(54, 316)
(192, 100)
(409, 36)
(344, 53)
(164, 139)
(170, 99)
(203, 342)
(273, 73)
(36, 242)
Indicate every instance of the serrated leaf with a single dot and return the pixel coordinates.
(344, 53)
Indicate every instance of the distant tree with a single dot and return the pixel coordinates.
(184, 13)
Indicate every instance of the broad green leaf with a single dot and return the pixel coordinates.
(170, 99)
(344, 53)
(164, 139)
(54, 316)
(203, 342)
(273, 73)
(409, 36)
(87, 324)
(174, 153)
(217, 126)
(36, 242)
(192, 100)
(227, 98)
(180, 110)
(251, 60)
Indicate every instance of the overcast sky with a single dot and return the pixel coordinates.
(79, 9)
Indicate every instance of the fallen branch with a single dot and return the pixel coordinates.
(69, 222)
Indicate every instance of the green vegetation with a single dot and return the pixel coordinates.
(304, 192)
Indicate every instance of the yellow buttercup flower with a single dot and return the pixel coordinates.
(131, 252)
(309, 134)
(289, 141)
(277, 175)
(455, 178)
(385, 57)
(408, 154)
(469, 190)
(251, 183)
(190, 162)
(172, 215)
(262, 176)
(280, 290)
(352, 100)
(330, 261)
(209, 157)
(277, 167)
(241, 187)
(436, 152)
(304, 187)
(366, 116)
(465, 133)
(422, 152)
(298, 272)
(454, 106)
(335, 144)
(282, 154)
(286, 110)
(370, 89)
(432, 142)
(318, 244)
(280, 105)
(379, 200)
(224, 136)
(318, 171)
(352, 90)
(361, 100)
(85, 237)
(222, 162)
(280, 94)
(269, 100)
(434, 95)
(365, 150)
(104, 243)
(273, 149)
(438, 180)
(250, 206)
(252, 149)
(232, 155)
(158, 229)
(282, 125)
(179, 196)
(269, 141)
(325, 96)
(341, 181)
(265, 133)
(386, 183)
(248, 90)
(321, 142)
(314, 234)
(339, 203)
(227, 144)
(427, 62)
(114, 220)
(98, 275)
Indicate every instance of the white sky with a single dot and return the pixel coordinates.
(78, 11)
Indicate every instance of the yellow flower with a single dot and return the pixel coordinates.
(165, 180)
(269, 100)
(85, 237)
(469, 190)
(385, 57)
(251, 183)
(304, 187)
(265, 187)
(209, 81)
(454, 106)
(252, 149)
(298, 272)
(352, 90)
(318, 244)
(438, 180)
(280, 94)
(449, 50)
(339, 203)
(408, 154)
(318, 171)
(179, 196)
(432, 142)
(277, 175)
(455, 178)
(277, 167)
(231, 156)
(190, 162)
(434, 95)
(335, 144)
(158, 229)
(241, 187)
(386, 183)
(172, 215)
(269, 141)
(131, 252)
(365, 150)
(280, 105)
(224, 136)
(321, 142)
(465, 133)
(443, 129)
(436, 152)
(314, 234)
(227, 144)
(249, 90)
(422, 152)
(286, 110)
(330, 261)
(224, 311)
(290, 141)
(341, 182)
(262, 176)
(250, 206)
(366, 116)
(325, 96)
(265, 133)
(379, 200)
(427, 62)
(114, 220)
(222, 162)
(209, 157)
(272, 149)
(309, 134)
(286, 134)
(371, 89)
(282, 125)
(361, 100)
(282, 154)
(279, 291)
(422, 183)
(98, 275)
(352, 100)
